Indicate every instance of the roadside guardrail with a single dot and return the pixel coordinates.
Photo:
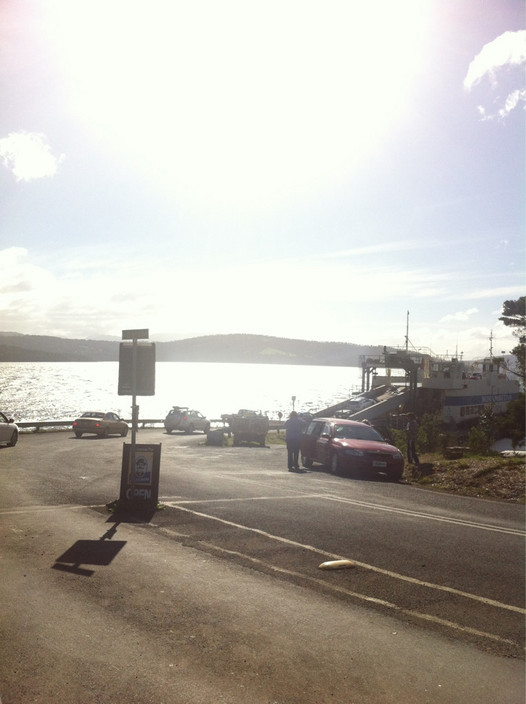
(37, 425)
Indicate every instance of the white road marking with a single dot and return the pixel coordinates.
(178, 504)
(363, 597)
(32, 509)
(430, 516)
(365, 504)
(372, 568)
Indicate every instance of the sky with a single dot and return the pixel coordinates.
(335, 171)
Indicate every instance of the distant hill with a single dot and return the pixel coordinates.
(260, 349)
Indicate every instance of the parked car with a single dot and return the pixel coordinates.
(350, 446)
(358, 404)
(8, 431)
(305, 419)
(101, 424)
(184, 419)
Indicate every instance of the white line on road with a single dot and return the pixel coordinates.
(395, 575)
(366, 504)
(32, 509)
(363, 597)
(372, 568)
(430, 516)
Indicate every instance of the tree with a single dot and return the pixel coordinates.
(514, 315)
(514, 312)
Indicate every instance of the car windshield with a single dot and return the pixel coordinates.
(356, 432)
(93, 414)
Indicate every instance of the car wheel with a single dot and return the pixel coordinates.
(77, 434)
(394, 475)
(14, 439)
(190, 429)
(207, 428)
(306, 462)
(124, 433)
(169, 430)
(104, 433)
(335, 464)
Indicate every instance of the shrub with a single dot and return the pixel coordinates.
(512, 423)
(429, 432)
(430, 435)
(479, 441)
(399, 439)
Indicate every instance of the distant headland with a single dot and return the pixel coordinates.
(234, 348)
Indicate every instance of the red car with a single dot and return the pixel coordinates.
(347, 445)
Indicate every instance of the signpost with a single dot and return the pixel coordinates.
(140, 463)
(140, 475)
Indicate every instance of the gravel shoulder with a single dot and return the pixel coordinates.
(497, 478)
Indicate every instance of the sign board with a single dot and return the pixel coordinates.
(143, 334)
(140, 482)
(144, 369)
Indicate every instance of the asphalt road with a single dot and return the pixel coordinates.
(219, 597)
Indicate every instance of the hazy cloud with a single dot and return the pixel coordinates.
(28, 156)
(501, 62)
(461, 315)
(504, 292)
(380, 248)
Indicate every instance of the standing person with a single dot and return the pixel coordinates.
(412, 432)
(293, 433)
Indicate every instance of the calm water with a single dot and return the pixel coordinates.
(62, 390)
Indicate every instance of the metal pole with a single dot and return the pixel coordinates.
(134, 406)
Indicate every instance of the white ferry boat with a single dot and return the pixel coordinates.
(462, 390)
(459, 390)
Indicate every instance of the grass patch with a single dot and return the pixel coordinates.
(274, 438)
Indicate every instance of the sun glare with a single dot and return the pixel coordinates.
(233, 101)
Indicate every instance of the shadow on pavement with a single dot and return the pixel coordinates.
(90, 552)
(101, 552)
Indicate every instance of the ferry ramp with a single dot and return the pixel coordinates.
(382, 408)
(387, 403)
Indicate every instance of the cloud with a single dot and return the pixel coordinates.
(501, 62)
(506, 50)
(28, 156)
(461, 315)
(381, 248)
(504, 292)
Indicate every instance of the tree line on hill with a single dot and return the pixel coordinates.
(234, 348)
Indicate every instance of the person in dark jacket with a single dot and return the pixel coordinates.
(293, 433)
(412, 433)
